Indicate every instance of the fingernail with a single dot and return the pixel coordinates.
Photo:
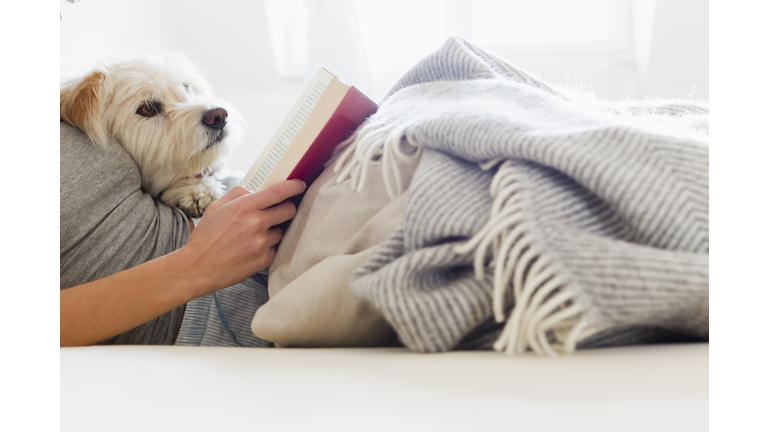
(305, 185)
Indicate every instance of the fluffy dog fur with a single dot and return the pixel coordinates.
(155, 106)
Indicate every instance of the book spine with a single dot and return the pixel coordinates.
(354, 108)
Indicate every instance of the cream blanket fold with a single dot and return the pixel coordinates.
(535, 220)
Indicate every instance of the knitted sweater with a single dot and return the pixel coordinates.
(108, 224)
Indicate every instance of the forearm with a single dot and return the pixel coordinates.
(107, 307)
(233, 240)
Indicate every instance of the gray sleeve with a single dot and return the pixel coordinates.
(108, 224)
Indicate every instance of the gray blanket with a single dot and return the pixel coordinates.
(536, 219)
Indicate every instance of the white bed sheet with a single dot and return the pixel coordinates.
(138, 388)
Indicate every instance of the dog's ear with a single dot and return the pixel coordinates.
(80, 105)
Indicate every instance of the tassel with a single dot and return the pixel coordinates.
(375, 144)
(544, 301)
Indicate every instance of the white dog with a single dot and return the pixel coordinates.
(165, 116)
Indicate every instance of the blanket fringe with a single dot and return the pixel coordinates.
(375, 144)
(547, 317)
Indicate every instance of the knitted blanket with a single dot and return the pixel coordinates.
(536, 220)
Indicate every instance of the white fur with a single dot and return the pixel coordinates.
(173, 146)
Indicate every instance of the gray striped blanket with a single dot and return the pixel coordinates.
(536, 219)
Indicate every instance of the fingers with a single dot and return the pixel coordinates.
(274, 236)
(277, 193)
(278, 214)
(232, 195)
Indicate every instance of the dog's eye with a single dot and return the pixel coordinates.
(147, 110)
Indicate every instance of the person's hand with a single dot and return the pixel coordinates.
(237, 237)
(234, 239)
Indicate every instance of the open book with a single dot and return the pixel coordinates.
(325, 114)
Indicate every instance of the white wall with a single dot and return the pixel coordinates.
(230, 41)
(679, 57)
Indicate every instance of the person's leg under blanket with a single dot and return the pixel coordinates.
(203, 325)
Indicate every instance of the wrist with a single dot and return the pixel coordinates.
(186, 270)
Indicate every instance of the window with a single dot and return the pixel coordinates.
(601, 43)
(288, 30)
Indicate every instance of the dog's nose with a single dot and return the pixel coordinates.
(215, 118)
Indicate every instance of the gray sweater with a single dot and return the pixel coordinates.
(108, 224)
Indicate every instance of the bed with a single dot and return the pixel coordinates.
(639, 388)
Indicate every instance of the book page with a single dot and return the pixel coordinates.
(305, 139)
(287, 131)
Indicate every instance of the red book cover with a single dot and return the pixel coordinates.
(354, 108)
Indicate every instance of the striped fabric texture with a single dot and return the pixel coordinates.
(203, 326)
(538, 219)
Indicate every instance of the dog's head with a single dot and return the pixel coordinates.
(161, 111)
